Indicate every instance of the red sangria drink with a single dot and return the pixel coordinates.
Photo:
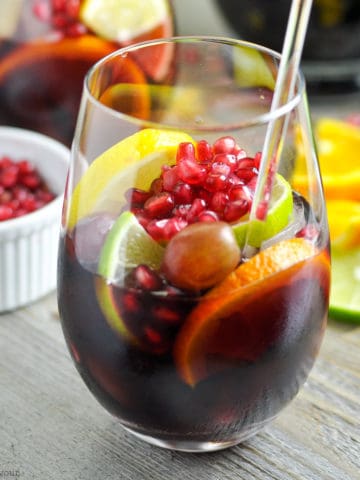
(47, 46)
(190, 321)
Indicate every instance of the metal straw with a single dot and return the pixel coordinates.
(283, 92)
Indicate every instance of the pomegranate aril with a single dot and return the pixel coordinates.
(6, 212)
(170, 178)
(131, 302)
(225, 144)
(227, 159)
(203, 151)
(219, 201)
(166, 315)
(191, 172)
(146, 278)
(156, 186)
(240, 193)
(160, 205)
(136, 196)
(310, 232)
(183, 193)
(235, 210)
(185, 151)
(173, 226)
(216, 182)
(9, 176)
(196, 208)
(155, 229)
(257, 160)
(208, 216)
(31, 180)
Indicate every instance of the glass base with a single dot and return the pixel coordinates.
(197, 446)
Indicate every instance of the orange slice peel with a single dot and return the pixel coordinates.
(216, 326)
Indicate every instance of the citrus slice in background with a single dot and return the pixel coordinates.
(126, 246)
(123, 20)
(345, 286)
(131, 21)
(86, 49)
(128, 98)
(251, 68)
(133, 162)
(338, 145)
(279, 214)
(222, 325)
(344, 224)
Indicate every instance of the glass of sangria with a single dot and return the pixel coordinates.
(47, 46)
(191, 322)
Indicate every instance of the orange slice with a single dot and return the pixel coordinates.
(86, 48)
(233, 323)
(338, 145)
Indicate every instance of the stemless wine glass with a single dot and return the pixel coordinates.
(190, 323)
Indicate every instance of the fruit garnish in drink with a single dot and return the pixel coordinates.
(22, 189)
(210, 183)
(131, 257)
(138, 157)
(234, 311)
(200, 255)
(178, 235)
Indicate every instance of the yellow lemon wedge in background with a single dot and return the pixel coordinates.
(123, 20)
(134, 161)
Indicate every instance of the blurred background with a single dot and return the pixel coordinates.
(331, 59)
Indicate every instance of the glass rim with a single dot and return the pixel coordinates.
(256, 120)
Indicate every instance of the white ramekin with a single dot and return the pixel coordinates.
(29, 244)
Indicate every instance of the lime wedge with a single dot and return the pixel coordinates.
(126, 246)
(278, 217)
(134, 161)
(345, 286)
(122, 20)
(251, 68)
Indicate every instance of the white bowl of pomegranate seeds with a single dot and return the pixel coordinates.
(33, 170)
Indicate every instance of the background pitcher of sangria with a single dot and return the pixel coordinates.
(46, 47)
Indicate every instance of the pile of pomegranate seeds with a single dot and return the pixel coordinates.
(207, 183)
(63, 16)
(22, 190)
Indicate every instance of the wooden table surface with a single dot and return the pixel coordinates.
(52, 428)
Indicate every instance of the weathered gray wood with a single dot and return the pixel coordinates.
(52, 428)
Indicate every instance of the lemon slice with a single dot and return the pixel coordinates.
(345, 286)
(134, 161)
(122, 20)
(278, 217)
